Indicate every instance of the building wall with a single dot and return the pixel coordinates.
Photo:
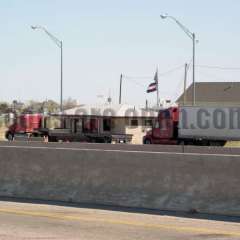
(138, 132)
(122, 125)
(119, 126)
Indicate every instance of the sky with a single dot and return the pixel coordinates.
(102, 39)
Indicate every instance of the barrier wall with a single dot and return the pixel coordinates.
(165, 181)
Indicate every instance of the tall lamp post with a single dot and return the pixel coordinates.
(193, 38)
(60, 45)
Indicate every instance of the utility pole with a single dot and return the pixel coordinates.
(192, 36)
(185, 84)
(194, 83)
(61, 87)
(120, 89)
(157, 80)
(60, 45)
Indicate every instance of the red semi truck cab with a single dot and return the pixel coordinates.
(25, 124)
(165, 130)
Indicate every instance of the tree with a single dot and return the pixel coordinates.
(17, 107)
(69, 103)
(50, 106)
(4, 108)
(32, 107)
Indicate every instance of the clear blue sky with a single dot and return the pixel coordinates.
(105, 38)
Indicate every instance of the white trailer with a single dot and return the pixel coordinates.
(209, 123)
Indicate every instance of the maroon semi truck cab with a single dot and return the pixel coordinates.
(25, 124)
(165, 130)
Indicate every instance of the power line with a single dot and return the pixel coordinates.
(131, 77)
(160, 74)
(218, 67)
(171, 70)
(137, 83)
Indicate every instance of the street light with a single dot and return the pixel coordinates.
(60, 45)
(193, 38)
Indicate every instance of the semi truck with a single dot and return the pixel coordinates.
(25, 124)
(190, 125)
(76, 130)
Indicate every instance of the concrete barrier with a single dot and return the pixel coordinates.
(165, 181)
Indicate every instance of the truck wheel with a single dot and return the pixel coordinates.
(9, 136)
(52, 139)
(217, 143)
(181, 142)
(147, 141)
(106, 140)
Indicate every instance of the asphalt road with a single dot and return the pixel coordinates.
(40, 221)
(125, 147)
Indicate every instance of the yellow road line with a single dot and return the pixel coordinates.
(120, 222)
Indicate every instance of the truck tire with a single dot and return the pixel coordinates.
(107, 140)
(147, 141)
(9, 136)
(181, 142)
(52, 139)
(217, 143)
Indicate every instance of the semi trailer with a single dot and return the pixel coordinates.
(77, 130)
(195, 126)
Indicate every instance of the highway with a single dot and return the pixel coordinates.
(124, 147)
(22, 221)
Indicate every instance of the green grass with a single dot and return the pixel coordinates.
(233, 144)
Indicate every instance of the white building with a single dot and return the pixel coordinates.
(110, 118)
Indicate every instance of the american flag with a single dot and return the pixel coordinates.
(153, 86)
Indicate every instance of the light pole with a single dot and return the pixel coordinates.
(193, 38)
(60, 45)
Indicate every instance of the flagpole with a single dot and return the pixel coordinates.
(153, 87)
(157, 91)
